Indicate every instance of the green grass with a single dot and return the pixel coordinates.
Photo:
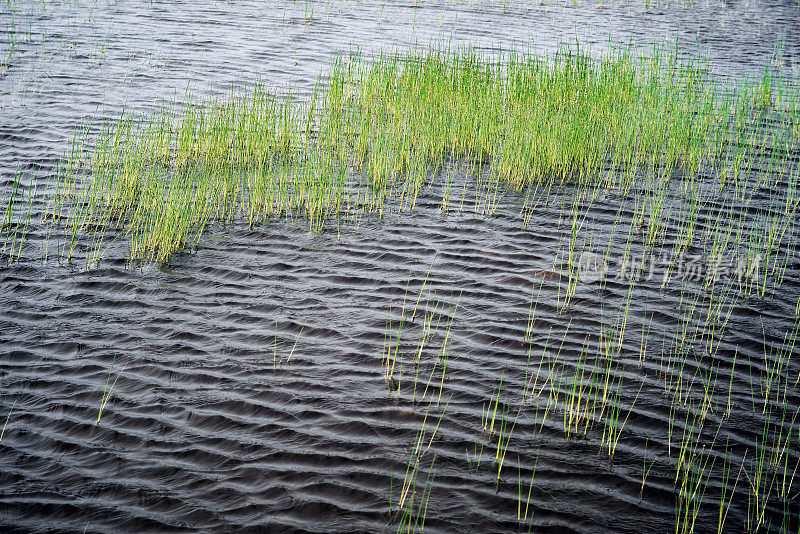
(107, 390)
(372, 136)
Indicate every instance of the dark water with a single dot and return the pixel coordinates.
(209, 428)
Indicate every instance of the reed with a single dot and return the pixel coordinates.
(436, 315)
(5, 424)
(614, 427)
(15, 220)
(379, 130)
(691, 492)
(645, 470)
(107, 390)
(577, 397)
(757, 479)
(727, 494)
(409, 518)
(522, 513)
(279, 360)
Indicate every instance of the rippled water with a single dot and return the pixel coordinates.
(209, 427)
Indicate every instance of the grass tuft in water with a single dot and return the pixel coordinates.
(374, 135)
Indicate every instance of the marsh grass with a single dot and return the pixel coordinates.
(413, 490)
(375, 134)
(705, 389)
(5, 424)
(107, 390)
(523, 516)
(279, 356)
(15, 219)
(418, 339)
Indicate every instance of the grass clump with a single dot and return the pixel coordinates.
(376, 131)
(532, 119)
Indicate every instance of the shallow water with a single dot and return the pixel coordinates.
(210, 428)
